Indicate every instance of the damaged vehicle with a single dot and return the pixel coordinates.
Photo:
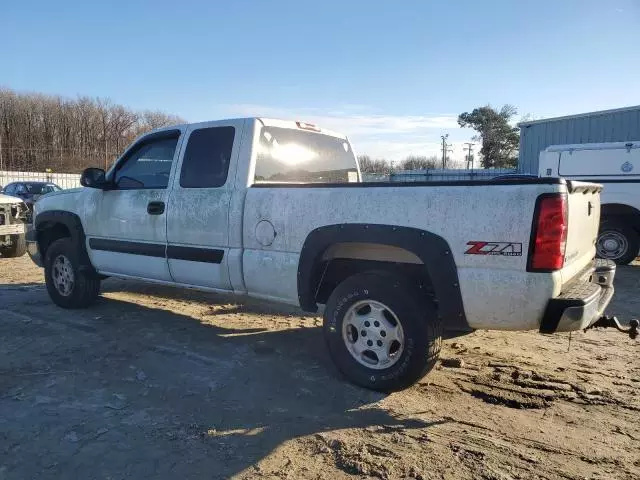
(277, 210)
(30, 192)
(13, 220)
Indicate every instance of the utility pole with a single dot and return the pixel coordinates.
(469, 155)
(445, 149)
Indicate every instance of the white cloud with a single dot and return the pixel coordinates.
(380, 135)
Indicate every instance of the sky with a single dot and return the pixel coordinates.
(391, 75)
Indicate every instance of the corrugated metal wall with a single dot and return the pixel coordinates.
(608, 126)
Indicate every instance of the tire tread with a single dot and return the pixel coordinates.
(420, 364)
(87, 284)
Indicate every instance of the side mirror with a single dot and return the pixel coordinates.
(93, 178)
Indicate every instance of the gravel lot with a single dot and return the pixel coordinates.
(156, 382)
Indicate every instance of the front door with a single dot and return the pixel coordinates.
(198, 215)
(127, 227)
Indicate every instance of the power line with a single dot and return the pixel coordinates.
(470, 155)
(445, 149)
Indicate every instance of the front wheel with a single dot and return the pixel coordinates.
(381, 333)
(617, 242)
(70, 285)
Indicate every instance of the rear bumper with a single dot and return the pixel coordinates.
(583, 303)
(32, 246)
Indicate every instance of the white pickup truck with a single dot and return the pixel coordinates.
(276, 210)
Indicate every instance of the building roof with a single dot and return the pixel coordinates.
(579, 115)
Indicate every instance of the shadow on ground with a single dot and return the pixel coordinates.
(238, 304)
(124, 389)
(626, 307)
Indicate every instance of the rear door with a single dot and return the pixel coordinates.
(198, 214)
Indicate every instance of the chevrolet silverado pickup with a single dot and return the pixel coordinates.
(277, 210)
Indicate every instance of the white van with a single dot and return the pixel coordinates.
(616, 165)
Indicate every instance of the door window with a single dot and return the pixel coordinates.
(207, 157)
(148, 165)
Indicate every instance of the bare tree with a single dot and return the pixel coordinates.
(414, 162)
(156, 119)
(368, 165)
(39, 132)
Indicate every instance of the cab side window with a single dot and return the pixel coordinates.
(207, 157)
(148, 165)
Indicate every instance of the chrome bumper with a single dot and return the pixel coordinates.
(583, 303)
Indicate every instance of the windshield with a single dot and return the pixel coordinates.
(288, 155)
(41, 188)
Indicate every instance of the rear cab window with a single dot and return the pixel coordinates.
(207, 157)
(303, 155)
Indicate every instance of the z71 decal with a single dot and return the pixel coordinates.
(509, 249)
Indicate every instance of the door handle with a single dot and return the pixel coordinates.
(155, 208)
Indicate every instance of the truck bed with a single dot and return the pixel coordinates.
(462, 212)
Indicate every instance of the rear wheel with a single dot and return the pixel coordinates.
(17, 247)
(380, 332)
(70, 285)
(617, 242)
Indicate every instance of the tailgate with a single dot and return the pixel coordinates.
(584, 219)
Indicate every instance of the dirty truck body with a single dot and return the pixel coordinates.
(276, 210)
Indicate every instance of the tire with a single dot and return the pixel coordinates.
(79, 289)
(400, 303)
(17, 247)
(617, 242)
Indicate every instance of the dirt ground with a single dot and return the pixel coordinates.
(156, 382)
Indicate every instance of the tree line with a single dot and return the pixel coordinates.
(48, 132)
(498, 138)
(40, 132)
(382, 166)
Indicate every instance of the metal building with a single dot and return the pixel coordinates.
(619, 125)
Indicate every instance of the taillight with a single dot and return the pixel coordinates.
(550, 233)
